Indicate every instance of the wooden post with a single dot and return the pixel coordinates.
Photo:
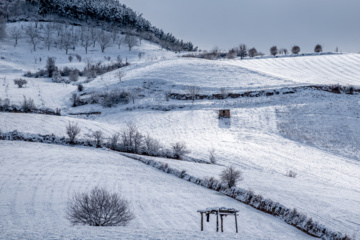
(222, 223)
(202, 224)
(236, 223)
(217, 221)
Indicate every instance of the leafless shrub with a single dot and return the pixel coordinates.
(28, 104)
(74, 99)
(78, 57)
(131, 138)
(72, 130)
(120, 74)
(231, 176)
(212, 157)
(273, 51)
(74, 75)
(70, 58)
(113, 97)
(113, 140)
(291, 174)
(152, 146)
(98, 137)
(5, 104)
(192, 91)
(80, 87)
(231, 54)
(179, 149)
(295, 49)
(20, 82)
(99, 208)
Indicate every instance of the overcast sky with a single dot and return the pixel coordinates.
(257, 23)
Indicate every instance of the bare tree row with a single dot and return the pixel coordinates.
(68, 38)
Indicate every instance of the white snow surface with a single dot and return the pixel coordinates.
(314, 134)
(38, 180)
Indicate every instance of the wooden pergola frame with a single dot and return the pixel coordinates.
(219, 212)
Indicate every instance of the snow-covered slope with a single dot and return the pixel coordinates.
(37, 181)
(314, 134)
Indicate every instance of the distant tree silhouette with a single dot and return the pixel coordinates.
(295, 49)
(318, 48)
(252, 52)
(273, 51)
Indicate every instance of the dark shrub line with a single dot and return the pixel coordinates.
(290, 216)
(17, 109)
(338, 89)
(52, 139)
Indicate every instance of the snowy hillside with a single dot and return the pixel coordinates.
(312, 133)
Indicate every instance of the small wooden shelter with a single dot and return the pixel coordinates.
(224, 113)
(218, 212)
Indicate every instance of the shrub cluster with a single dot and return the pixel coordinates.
(27, 106)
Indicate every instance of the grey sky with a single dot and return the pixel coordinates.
(258, 23)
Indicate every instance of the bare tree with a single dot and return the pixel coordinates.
(104, 40)
(131, 41)
(131, 138)
(252, 52)
(48, 36)
(72, 130)
(15, 34)
(132, 95)
(179, 149)
(120, 41)
(273, 51)
(120, 74)
(295, 49)
(318, 48)
(114, 34)
(192, 91)
(93, 35)
(66, 41)
(242, 51)
(34, 36)
(231, 176)
(86, 39)
(99, 208)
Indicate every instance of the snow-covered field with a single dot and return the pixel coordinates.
(37, 181)
(314, 134)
